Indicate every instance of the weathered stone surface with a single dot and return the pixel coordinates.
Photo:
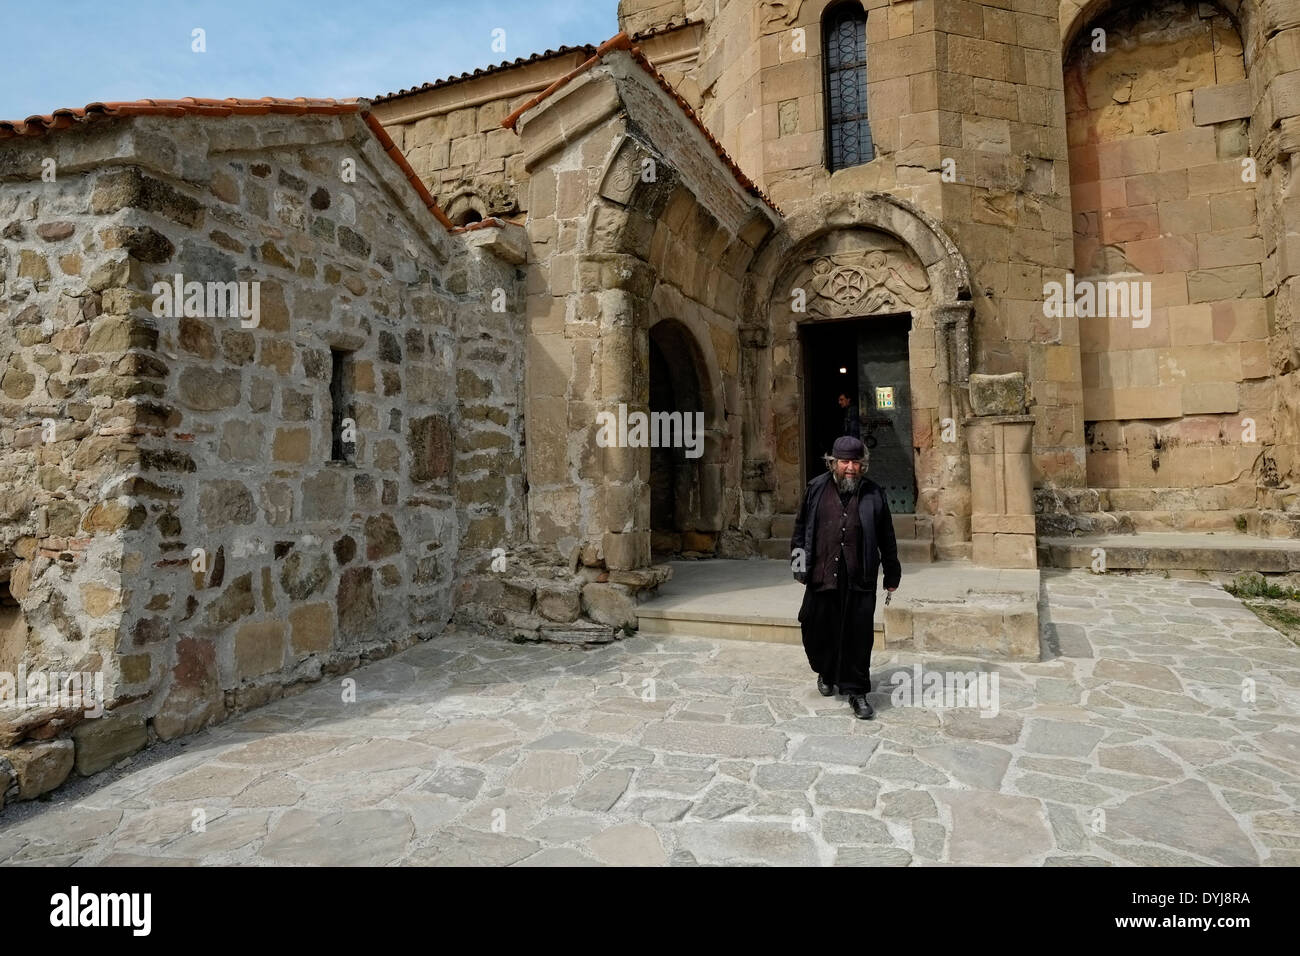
(993, 828)
(259, 648)
(311, 628)
(461, 846)
(206, 390)
(713, 739)
(629, 844)
(998, 394)
(601, 792)
(430, 443)
(462, 782)
(855, 751)
(841, 827)
(339, 838)
(40, 767)
(558, 602)
(324, 495)
(607, 604)
(356, 601)
(102, 742)
(1138, 672)
(1061, 738)
(785, 776)
(1184, 816)
(976, 765)
(304, 574)
(547, 772)
(236, 601)
(737, 842)
(382, 537)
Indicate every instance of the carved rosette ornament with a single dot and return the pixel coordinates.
(867, 283)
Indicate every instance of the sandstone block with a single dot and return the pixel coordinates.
(205, 389)
(292, 445)
(312, 628)
(356, 601)
(625, 551)
(998, 394)
(1218, 104)
(430, 443)
(259, 648)
(324, 495)
(225, 502)
(104, 741)
(560, 603)
(41, 766)
(382, 537)
(609, 604)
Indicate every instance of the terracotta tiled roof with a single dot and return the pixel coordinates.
(622, 41)
(586, 48)
(192, 106)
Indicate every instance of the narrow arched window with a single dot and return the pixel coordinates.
(844, 40)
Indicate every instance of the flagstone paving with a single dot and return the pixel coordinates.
(1165, 729)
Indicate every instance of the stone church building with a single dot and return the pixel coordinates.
(736, 211)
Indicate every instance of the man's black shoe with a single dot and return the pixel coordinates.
(823, 688)
(861, 708)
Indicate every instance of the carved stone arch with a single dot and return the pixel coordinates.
(634, 195)
(466, 206)
(686, 493)
(667, 303)
(945, 267)
(1078, 14)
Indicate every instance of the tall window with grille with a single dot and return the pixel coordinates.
(848, 134)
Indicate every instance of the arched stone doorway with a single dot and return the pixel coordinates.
(685, 475)
(879, 275)
(851, 296)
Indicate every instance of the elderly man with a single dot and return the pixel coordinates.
(842, 537)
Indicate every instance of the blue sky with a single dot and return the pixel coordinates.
(72, 52)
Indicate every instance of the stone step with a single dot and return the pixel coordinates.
(909, 552)
(1170, 551)
(915, 552)
(941, 607)
(725, 627)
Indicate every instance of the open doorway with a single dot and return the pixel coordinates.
(867, 360)
(676, 478)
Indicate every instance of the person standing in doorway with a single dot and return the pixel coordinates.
(852, 425)
(843, 536)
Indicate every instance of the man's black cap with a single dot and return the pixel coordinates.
(848, 448)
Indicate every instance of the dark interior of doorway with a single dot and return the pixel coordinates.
(857, 357)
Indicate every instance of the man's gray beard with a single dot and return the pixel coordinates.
(847, 483)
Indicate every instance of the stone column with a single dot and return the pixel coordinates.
(1000, 440)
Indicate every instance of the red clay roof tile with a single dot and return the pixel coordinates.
(586, 48)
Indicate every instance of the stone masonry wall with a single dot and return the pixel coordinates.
(172, 434)
(452, 134)
(1159, 126)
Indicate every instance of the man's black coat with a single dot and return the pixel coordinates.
(879, 546)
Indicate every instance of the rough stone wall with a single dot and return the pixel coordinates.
(614, 254)
(453, 139)
(457, 145)
(1159, 126)
(172, 434)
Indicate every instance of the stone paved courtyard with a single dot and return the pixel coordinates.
(1133, 747)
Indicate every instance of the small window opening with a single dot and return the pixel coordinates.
(343, 427)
